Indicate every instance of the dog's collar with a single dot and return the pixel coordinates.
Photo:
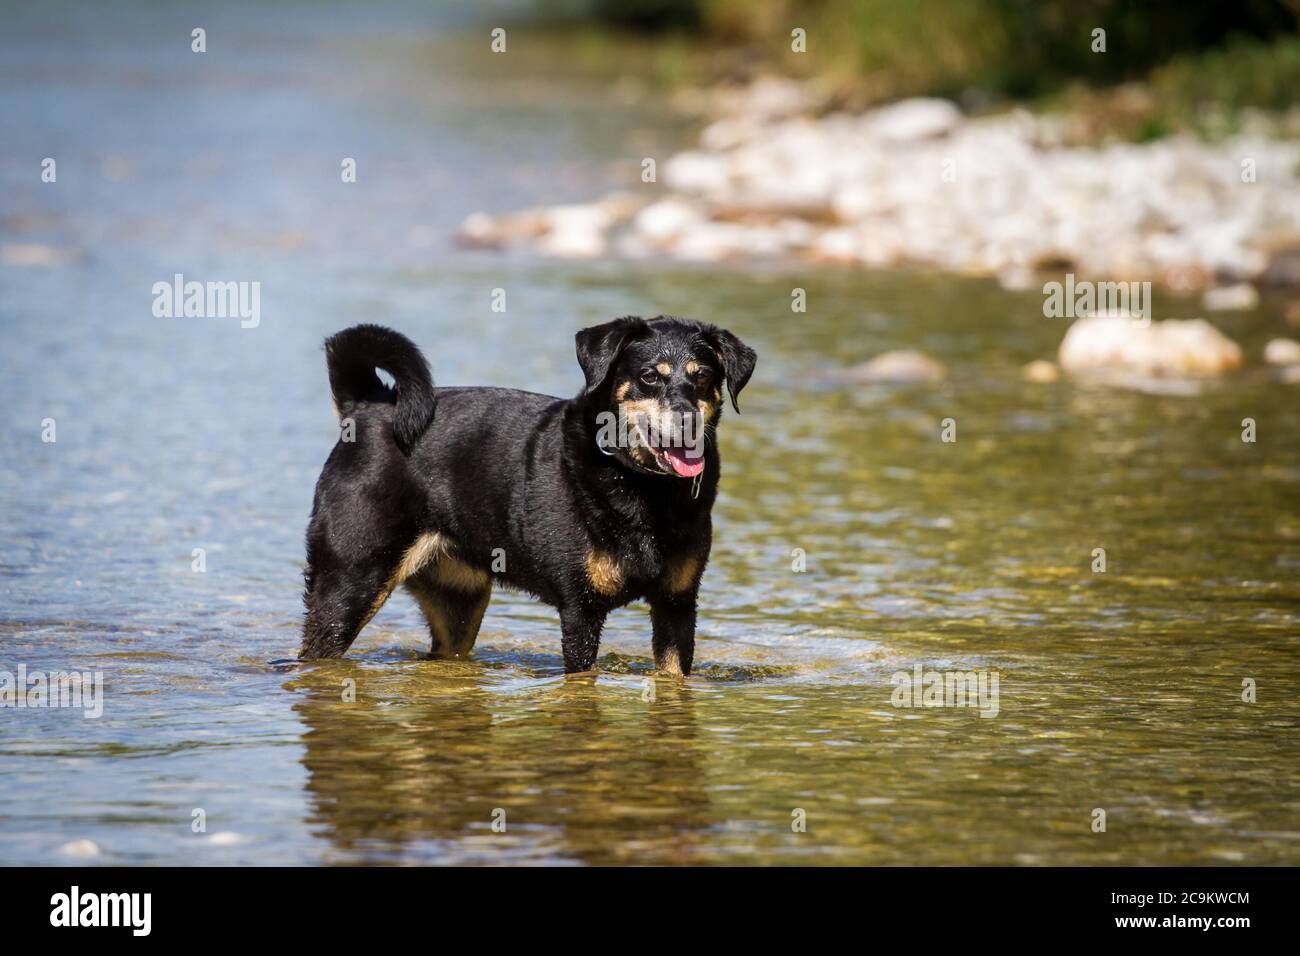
(628, 460)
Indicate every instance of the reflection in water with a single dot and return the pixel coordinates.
(415, 768)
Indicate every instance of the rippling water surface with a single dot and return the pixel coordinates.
(1119, 691)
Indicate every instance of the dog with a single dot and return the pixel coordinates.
(588, 503)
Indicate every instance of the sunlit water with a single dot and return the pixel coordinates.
(1118, 690)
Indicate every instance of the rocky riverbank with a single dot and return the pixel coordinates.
(919, 183)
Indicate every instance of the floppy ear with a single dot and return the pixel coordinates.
(738, 361)
(600, 345)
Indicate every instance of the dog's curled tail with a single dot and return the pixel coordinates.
(353, 355)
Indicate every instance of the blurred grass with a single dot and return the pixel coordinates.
(1245, 73)
(1188, 57)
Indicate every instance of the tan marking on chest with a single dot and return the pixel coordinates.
(604, 574)
(680, 573)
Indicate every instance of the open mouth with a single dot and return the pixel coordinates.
(683, 462)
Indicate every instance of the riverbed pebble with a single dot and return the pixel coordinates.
(575, 232)
(917, 182)
(1282, 352)
(1240, 297)
(1173, 348)
(1040, 372)
(80, 849)
(901, 365)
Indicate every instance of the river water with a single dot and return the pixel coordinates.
(851, 542)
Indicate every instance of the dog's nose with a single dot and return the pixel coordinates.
(684, 419)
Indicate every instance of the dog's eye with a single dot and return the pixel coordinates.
(650, 377)
(703, 376)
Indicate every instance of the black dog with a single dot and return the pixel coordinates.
(446, 490)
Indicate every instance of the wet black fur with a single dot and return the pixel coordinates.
(493, 468)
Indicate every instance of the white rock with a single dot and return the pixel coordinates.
(1016, 278)
(903, 365)
(80, 849)
(1241, 297)
(697, 172)
(729, 133)
(666, 220)
(34, 254)
(482, 230)
(836, 245)
(575, 232)
(917, 183)
(909, 120)
(712, 241)
(622, 206)
(1282, 352)
(768, 97)
(478, 229)
(1040, 372)
(1172, 348)
(795, 232)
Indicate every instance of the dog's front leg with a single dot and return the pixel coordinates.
(673, 618)
(580, 628)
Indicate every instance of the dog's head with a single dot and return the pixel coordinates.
(657, 386)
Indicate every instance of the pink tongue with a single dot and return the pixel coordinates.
(685, 467)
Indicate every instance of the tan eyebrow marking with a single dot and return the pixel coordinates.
(692, 368)
(663, 368)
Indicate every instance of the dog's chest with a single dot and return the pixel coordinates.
(626, 565)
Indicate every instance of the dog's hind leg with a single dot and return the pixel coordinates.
(453, 597)
(340, 602)
(345, 592)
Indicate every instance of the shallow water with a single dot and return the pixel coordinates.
(1118, 690)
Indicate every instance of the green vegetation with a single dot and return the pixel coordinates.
(1187, 58)
(1244, 73)
(1010, 47)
